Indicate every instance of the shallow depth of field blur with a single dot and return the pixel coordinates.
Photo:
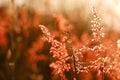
(25, 55)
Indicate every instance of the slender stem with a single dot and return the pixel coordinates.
(102, 75)
(12, 68)
(75, 67)
(73, 51)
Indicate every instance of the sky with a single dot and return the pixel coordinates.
(108, 10)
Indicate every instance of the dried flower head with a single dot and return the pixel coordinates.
(58, 51)
(97, 28)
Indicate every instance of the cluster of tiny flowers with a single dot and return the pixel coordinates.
(58, 51)
(101, 63)
(97, 28)
(107, 65)
(115, 61)
(97, 35)
(48, 35)
(60, 66)
(104, 61)
(83, 66)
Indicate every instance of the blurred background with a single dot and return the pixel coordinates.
(24, 55)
